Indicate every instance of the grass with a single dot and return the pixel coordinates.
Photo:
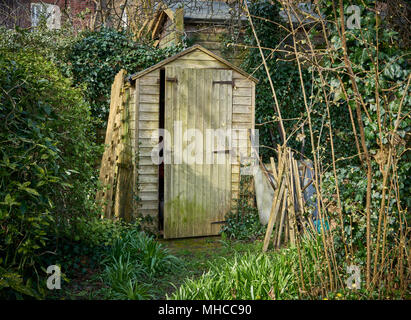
(139, 267)
(241, 271)
(197, 256)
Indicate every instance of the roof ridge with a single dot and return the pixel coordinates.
(139, 74)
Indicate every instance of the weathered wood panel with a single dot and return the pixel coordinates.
(147, 135)
(209, 64)
(108, 169)
(197, 195)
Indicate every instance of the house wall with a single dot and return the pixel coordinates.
(211, 36)
(208, 35)
(146, 118)
(17, 12)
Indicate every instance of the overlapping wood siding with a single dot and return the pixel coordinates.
(146, 135)
(243, 119)
(145, 113)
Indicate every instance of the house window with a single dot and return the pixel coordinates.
(124, 19)
(49, 12)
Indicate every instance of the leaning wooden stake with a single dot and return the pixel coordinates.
(273, 214)
(282, 218)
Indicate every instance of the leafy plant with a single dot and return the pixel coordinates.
(97, 56)
(47, 153)
(151, 255)
(12, 285)
(243, 222)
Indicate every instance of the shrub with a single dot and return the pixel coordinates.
(243, 223)
(97, 56)
(46, 157)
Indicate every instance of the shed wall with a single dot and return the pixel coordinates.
(146, 117)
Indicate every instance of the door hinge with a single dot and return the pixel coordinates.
(224, 82)
(172, 80)
(222, 151)
(219, 222)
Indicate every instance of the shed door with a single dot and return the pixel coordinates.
(197, 171)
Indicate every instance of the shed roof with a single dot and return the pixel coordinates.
(186, 51)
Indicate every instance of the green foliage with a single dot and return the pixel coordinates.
(133, 261)
(51, 44)
(12, 286)
(46, 157)
(122, 277)
(83, 244)
(151, 255)
(255, 276)
(393, 73)
(96, 57)
(243, 223)
(284, 75)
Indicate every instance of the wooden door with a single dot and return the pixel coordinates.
(197, 195)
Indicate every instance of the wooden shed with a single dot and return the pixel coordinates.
(195, 89)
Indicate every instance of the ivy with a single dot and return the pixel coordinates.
(96, 57)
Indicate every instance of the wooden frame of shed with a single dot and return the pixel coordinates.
(194, 89)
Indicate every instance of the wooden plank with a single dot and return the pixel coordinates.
(123, 197)
(150, 89)
(148, 205)
(198, 115)
(149, 107)
(148, 134)
(148, 187)
(281, 220)
(235, 186)
(242, 83)
(197, 64)
(149, 80)
(278, 195)
(238, 108)
(242, 100)
(215, 121)
(108, 168)
(242, 118)
(207, 124)
(168, 125)
(135, 138)
(149, 196)
(253, 107)
(242, 92)
(149, 116)
(241, 125)
(228, 167)
(197, 55)
(147, 179)
(148, 142)
(149, 98)
(147, 169)
(145, 161)
(148, 124)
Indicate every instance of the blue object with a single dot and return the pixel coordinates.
(317, 225)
